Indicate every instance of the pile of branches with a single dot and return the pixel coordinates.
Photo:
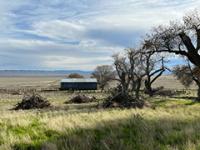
(81, 98)
(32, 101)
(122, 100)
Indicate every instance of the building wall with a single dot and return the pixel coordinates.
(78, 86)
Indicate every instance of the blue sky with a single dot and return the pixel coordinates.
(77, 34)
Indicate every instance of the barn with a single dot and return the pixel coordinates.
(78, 84)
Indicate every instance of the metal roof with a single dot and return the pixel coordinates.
(70, 80)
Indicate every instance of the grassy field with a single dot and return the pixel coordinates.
(171, 124)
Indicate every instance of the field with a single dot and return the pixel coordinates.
(171, 123)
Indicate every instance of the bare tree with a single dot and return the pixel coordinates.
(182, 39)
(137, 70)
(153, 71)
(122, 69)
(130, 69)
(103, 74)
(187, 75)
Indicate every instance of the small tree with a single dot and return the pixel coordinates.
(75, 75)
(103, 74)
(188, 75)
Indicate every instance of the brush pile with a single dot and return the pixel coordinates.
(32, 101)
(81, 98)
(122, 101)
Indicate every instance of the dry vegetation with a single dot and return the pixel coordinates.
(170, 82)
(34, 82)
(172, 123)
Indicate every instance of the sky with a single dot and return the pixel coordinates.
(78, 34)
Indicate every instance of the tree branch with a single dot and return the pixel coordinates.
(156, 71)
(198, 39)
(184, 53)
(187, 42)
(154, 79)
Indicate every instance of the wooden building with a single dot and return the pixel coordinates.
(78, 84)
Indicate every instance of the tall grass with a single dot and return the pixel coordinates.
(173, 124)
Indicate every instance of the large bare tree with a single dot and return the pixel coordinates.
(181, 38)
(130, 69)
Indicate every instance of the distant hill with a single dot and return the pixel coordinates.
(11, 73)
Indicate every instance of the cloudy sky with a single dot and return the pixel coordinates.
(77, 34)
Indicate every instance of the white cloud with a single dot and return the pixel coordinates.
(68, 62)
(59, 29)
(52, 55)
(78, 34)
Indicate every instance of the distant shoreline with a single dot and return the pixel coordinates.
(40, 73)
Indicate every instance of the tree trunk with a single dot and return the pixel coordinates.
(137, 91)
(148, 88)
(194, 58)
(150, 91)
(133, 88)
(192, 53)
(102, 88)
(124, 89)
(198, 93)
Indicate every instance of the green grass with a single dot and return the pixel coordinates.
(173, 124)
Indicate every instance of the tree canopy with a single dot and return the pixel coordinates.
(178, 38)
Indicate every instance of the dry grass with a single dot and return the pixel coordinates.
(172, 125)
(29, 82)
(170, 82)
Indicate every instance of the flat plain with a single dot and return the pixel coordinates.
(168, 81)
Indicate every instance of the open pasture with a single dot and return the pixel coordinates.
(168, 81)
(172, 123)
